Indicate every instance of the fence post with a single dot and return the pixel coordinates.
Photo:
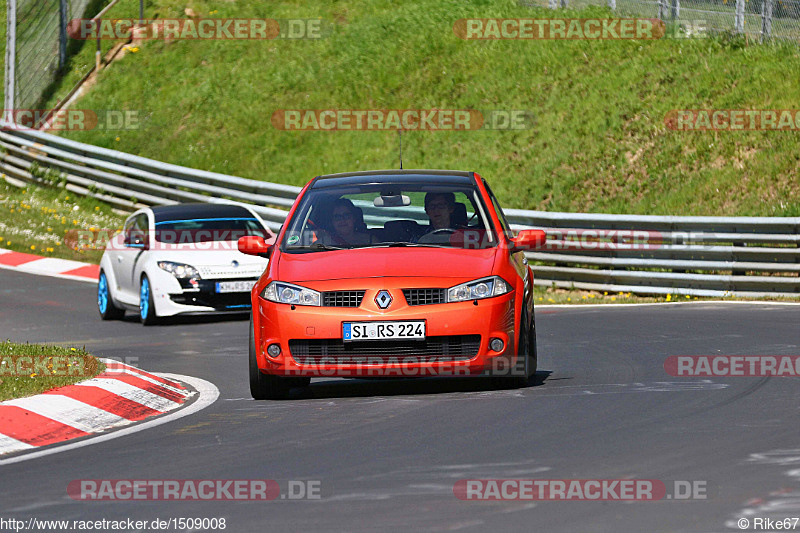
(739, 16)
(612, 4)
(766, 20)
(662, 9)
(552, 4)
(676, 9)
(11, 60)
(98, 55)
(564, 3)
(62, 34)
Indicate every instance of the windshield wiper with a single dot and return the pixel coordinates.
(317, 246)
(416, 244)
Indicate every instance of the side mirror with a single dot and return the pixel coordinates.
(529, 239)
(254, 245)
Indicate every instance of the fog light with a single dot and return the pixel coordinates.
(496, 345)
(274, 350)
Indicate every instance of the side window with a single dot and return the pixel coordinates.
(128, 229)
(136, 231)
(499, 210)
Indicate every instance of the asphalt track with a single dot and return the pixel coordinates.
(387, 453)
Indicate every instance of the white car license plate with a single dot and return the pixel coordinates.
(235, 286)
(369, 331)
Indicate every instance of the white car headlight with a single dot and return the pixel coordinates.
(286, 293)
(480, 288)
(179, 270)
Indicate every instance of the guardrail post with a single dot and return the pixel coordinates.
(739, 22)
(766, 20)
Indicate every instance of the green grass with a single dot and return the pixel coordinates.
(57, 366)
(599, 143)
(45, 221)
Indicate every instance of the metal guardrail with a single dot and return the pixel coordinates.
(700, 256)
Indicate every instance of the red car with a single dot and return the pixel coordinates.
(403, 273)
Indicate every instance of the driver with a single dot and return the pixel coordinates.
(439, 206)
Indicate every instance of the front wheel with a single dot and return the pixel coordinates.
(147, 308)
(526, 363)
(105, 303)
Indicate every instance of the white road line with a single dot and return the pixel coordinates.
(134, 394)
(50, 265)
(51, 274)
(9, 444)
(698, 302)
(69, 411)
(208, 394)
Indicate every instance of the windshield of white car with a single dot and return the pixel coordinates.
(389, 215)
(208, 229)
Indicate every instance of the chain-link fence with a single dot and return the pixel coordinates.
(38, 47)
(758, 19)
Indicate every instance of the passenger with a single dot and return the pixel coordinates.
(347, 226)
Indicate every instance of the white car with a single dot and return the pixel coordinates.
(180, 259)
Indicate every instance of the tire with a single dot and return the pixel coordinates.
(266, 386)
(105, 303)
(525, 367)
(147, 308)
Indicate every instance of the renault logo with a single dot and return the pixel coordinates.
(383, 299)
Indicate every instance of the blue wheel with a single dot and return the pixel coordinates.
(105, 303)
(147, 309)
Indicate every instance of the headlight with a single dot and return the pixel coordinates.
(480, 288)
(286, 293)
(179, 270)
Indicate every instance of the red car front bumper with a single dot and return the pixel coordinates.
(457, 335)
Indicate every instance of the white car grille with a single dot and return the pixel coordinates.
(230, 271)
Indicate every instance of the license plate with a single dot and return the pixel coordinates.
(370, 331)
(235, 286)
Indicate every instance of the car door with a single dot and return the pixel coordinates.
(135, 235)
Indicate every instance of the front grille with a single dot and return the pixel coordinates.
(431, 350)
(342, 298)
(424, 296)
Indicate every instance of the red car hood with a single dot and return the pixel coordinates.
(386, 262)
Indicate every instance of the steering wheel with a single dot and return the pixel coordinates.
(431, 237)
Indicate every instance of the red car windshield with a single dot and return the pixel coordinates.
(394, 214)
